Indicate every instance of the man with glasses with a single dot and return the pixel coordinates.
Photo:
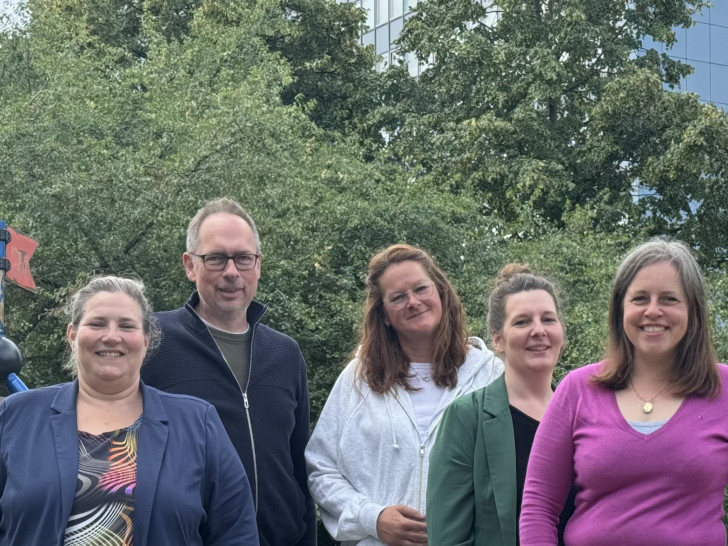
(215, 348)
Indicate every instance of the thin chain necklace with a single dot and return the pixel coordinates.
(648, 405)
(425, 378)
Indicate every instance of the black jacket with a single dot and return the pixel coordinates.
(267, 420)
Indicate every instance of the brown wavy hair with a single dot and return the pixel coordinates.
(382, 361)
(695, 370)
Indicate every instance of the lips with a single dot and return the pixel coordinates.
(229, 289)
(538, 348)
(653, 328)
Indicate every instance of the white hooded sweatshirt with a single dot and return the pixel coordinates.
(366, 453)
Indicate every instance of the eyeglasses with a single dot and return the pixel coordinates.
(398, 299)
(218, 262)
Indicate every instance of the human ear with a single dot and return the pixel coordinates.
(71, 334)
(497, 342)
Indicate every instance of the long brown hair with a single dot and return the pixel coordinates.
(382, 361)
(695, 370)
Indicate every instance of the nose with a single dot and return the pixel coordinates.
(538, 328)
(411, 299)
(111, 334)
(230, 269)
(653, 307)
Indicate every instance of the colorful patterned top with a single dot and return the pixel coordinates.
(103, 509)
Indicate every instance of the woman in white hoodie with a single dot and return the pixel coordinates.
(369, 453)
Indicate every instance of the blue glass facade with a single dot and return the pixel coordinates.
(704, 46)
(385, 19)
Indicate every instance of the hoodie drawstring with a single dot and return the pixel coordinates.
(395, 445)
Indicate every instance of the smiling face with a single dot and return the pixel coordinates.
(224, 295)
(532, 334)
(418, 318)
(109, 343)
(655, 313)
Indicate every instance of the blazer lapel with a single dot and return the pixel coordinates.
(150, 452)
(499, 444)
(65, 436)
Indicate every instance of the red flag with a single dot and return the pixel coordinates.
(18, 251)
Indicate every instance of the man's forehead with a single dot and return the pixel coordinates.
(226, 232)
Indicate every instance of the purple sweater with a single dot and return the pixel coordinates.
(664, 488)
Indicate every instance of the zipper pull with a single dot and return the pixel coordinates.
(422, 450)
(245, 400)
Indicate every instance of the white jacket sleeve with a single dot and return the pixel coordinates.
(347, 514)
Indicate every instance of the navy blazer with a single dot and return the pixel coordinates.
(191, 488)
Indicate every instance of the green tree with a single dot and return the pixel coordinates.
(104, 162)
(550, 105)
(332, 76)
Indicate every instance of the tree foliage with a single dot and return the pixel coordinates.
(331, 75)
(105, 157)
(553, 105)
(106, 153)
(524, 142)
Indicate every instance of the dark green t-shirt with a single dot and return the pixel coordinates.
(235, 348)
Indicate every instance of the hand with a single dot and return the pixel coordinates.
(401, 526)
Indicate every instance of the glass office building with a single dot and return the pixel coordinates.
(385, 19)
(704, 45)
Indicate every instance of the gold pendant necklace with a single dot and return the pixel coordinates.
(648, 405)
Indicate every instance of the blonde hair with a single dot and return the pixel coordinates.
(110, 283)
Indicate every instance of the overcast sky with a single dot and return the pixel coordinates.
(8, 8)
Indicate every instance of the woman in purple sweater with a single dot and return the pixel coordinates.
(644, 433)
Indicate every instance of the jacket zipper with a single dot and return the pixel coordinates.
(421, 464)
(419, 489)
(246, 403)
(252, 445)
(418, 497)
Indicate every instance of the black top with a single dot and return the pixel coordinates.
(524, 431)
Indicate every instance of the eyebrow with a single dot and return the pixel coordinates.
(104, 317)
(416, 283)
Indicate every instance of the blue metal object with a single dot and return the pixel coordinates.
(15, 384)
(10, 358)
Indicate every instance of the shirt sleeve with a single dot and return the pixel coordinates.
(347, 513)
(550, 468)
(450, 490)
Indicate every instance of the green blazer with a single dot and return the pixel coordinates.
(471, 486)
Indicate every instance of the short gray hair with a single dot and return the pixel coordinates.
(217, 206)
(110, 283)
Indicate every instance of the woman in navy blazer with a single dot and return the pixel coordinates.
(105, 459)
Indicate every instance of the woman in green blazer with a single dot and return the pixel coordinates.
(478, 462)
